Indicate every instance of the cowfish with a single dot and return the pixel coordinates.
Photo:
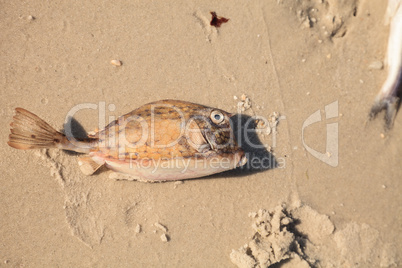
(159, 141)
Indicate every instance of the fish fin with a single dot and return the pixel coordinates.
(196, 138)
(28, 131)
(87, 165)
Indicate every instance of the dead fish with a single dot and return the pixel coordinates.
(388, 98)
(162, 140)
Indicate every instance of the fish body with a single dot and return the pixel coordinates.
(388, 98)
(163, 140)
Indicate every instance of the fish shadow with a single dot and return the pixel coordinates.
(259, 159)
(73, 129)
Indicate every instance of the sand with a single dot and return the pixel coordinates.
(307, 66)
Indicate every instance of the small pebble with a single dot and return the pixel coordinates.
(376, 65)
(160, 226)
(235, 97)
(383, 186)
(31, 18)
(165, 238)
(247, 104)
(273, 117)
(319, 41)
(307, 23)
(261, 124)
(116, 62)
(137, 229)
(329, 56)
(243, 97)
(382, 135)
(285, 221)
(303, 60)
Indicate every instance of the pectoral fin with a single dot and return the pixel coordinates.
(196, 138)
(87, 165)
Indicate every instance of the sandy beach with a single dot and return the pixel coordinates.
(311, 68)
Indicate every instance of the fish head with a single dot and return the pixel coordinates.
(214, 125)
(211, 130)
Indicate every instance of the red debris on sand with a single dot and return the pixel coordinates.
(216, 20)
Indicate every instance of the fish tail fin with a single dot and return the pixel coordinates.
(28, 131)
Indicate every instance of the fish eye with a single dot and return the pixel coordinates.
(217, 117)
